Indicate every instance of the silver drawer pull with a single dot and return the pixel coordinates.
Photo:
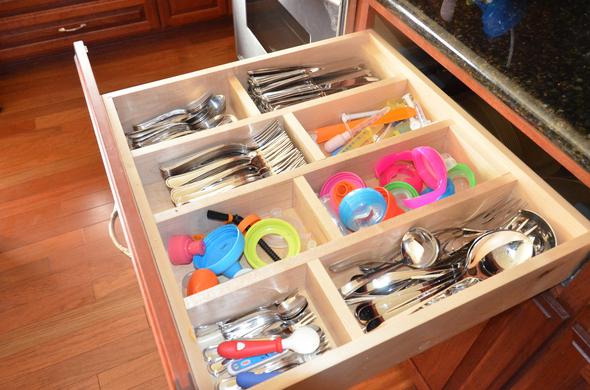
(116, 243)
(80, 27)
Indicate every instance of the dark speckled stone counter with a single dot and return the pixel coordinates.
(547, 81)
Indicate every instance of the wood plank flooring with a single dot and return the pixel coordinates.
(71, 312)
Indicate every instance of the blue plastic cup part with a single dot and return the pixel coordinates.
(223, 249)
(450, 190)
(362, 207)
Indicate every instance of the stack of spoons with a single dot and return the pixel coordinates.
(206, 112)
(438, 266)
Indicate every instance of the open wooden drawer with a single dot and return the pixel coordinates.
(149, 217)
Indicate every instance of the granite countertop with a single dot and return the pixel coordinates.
(546, 79)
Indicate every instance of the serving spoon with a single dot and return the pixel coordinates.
(419, 249)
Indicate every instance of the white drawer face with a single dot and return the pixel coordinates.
(293, 195)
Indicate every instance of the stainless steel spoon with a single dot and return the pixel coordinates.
(414, 239)
(499, 250)
(419, 249)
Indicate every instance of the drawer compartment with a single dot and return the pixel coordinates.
(308, 279)
(148, 160)
(151, 218)
(138, 106)
(371, 98)
(289, 200)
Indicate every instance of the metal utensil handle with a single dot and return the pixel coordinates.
(345, 264)
(260, 81)
(289, 92)
(272, 70)
(354, 285)
(205, 171)
(194, 160)
(114, 217)
(179, 112)
(281, 83)
(419, 298)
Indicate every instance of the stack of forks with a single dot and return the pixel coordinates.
(225, 167)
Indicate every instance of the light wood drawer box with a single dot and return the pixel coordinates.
(149, 218)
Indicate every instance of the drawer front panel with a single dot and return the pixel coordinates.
(355, 355)
(179, 12)
(157, 304)
(53, 29)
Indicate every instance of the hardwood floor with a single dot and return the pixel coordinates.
(72, 315)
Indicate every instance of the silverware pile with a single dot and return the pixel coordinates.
(206, 112)
(224, 167)
(275, 88)
(278, 319)
(444, 262)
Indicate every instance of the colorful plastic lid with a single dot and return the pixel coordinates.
(265, 227)
(362, 207)
(223, 249)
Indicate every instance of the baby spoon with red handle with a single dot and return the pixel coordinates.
(304, 340)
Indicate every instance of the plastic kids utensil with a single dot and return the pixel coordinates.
(304, 340)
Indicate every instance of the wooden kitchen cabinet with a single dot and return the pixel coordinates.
(38, 27)
(564, 363)
(495, 350)
(179, 12)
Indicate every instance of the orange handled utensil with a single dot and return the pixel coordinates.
(323, 134)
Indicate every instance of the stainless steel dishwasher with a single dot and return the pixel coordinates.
(263, 26)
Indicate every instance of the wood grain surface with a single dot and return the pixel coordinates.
(72, 314)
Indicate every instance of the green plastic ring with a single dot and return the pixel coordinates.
(462, 170)
(401, 185)
(265, 227)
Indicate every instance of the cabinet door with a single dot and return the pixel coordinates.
(487, 356)
(507, 342)
(179, 12)
(562, 364)
(437, 364)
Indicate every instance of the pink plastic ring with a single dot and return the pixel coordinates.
(423, 157)
(431, 168)
(389, 160)
(352, 178)
(405, 173)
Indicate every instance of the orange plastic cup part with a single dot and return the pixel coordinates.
(339, 191)
(393, 208)
(247, 222)
(200, 280)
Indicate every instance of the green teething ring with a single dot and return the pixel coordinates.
(462, 170)
(396, 186)
(265, 227)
